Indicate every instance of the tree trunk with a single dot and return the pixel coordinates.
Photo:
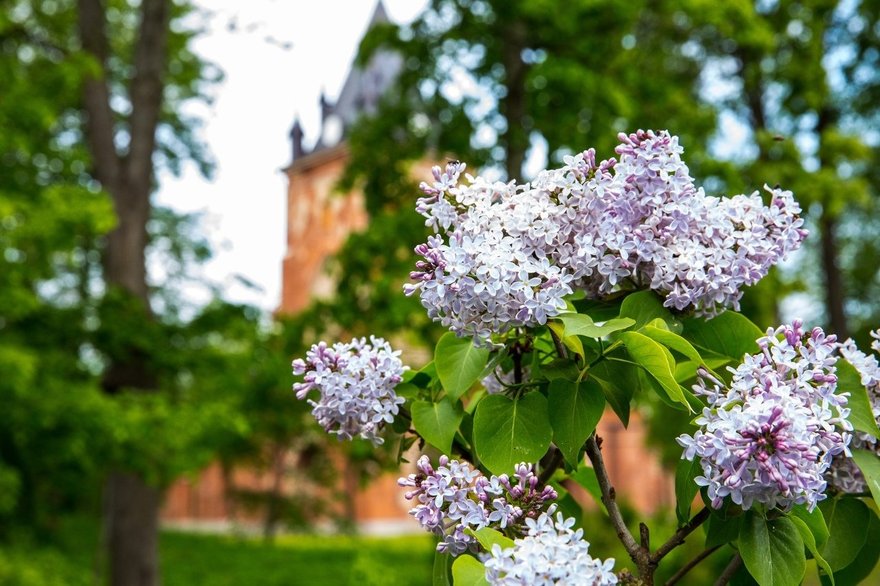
(131, 505)
(834, 295)
(513, 104)
(275, 502)
(132, 516)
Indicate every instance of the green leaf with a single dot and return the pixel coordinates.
(673, 341)
(869, 464)
(815, 521)
(437, 422)
(861, 415)
(652, 357)
(847, 520)
(468, 571)
(773, 550)
(644, 307)
(407, 390)
(586, 477)
(720, 530)
(730, 334)
(810, 542)
(578, 324)
(560, 368)
(618, 382)
(441, 573)
(598, 309)
(574, 410)
(685, 488)
(487, 537)
(510, 431)
(573, 343)
(867, 559)
(459, 363)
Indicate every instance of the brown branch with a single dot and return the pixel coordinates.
(636, 553)
(729, 571)
(99, 123)
(679, 536)
(691, 565)
(145, 91)
(551, 466)
(644, 537)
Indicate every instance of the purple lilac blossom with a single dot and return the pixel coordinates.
(504, 255)
(356, 384)
(492, 273)
(550, 553)
(770, 436)
(844, 475)
(454, 497)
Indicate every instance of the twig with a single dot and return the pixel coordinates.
(729, 571)
(679, 536)
(551, 467)
(638, 555)
(691, 565)
(560, 348)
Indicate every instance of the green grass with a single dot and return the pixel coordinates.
(189, 559)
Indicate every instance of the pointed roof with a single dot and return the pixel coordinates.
(362, 90)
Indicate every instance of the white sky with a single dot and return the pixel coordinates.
(265, 86)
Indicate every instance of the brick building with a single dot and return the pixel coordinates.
(319, 221)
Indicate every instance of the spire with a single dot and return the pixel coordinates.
(326, 106)
(380, 15)
(296, 138)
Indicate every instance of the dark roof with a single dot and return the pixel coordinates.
(360, 94)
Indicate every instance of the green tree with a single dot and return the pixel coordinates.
(801, 77)
(91, 107)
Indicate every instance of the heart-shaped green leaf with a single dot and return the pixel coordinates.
(510, 431)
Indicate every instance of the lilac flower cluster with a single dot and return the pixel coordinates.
(504, 255)
(551, 553)
(356, 384)
(455, 497)
(770, 436)
(493, 273)
(844, 475)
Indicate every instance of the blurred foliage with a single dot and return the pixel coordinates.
(229, 560)
(222, 369)
(801, 78)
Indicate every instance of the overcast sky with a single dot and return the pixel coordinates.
(277, 55)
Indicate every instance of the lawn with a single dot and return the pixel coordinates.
(293, 560)
(191, 559)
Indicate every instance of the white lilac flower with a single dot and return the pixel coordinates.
(493, 272)
(550, 553)
(455, 497)
(504, 255)
(770, 436)
(356, 384)
(844, 474)
(653, 226)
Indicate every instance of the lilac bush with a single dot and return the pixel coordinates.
(595, 284)
(454, 498)
(769, 437)
(505, 255)
(844, 474)
(549, 553)
(355, 382)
